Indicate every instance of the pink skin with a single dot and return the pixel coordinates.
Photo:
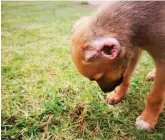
(98, 47)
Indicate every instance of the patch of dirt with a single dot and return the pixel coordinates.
(84, 4)
(76, 113)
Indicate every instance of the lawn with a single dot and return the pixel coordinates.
(43, 95)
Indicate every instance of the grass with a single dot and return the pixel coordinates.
(43, 95)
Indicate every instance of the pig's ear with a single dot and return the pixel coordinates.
(79, 22)
(109, 47)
